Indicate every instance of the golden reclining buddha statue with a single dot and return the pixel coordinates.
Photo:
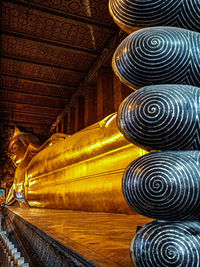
(79, 172)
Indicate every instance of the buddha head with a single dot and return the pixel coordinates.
(19, 144)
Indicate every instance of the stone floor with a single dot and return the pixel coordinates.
(102, 238)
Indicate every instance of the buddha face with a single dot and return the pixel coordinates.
(17, 151)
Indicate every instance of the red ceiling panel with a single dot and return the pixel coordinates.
(36, 87)
(40, 72)
(47, 26)
(51, 49)
(90, 9)
(32, 99)
(45, 53)
(8, 105)
(18, 117)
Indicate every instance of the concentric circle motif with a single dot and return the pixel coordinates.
(164, 185)
(162, 117)
(133, 14)
(167, 244)
(158, 55)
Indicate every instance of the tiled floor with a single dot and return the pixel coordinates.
(102, 238)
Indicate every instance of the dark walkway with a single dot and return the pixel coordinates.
(1, 248)
(1, 256)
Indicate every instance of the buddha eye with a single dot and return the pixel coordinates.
(13, 148)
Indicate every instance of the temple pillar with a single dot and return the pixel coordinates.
(57, 127)
(105, 99)
(71, 121)
(64, 124)
(1, 221)
(121, 91)
(90, 105)
(60, 127)
(79, 113)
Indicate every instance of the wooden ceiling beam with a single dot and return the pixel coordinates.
(37, 80)
(25, 124)
(45, 87)
(8, 105)
(51, 42)
(88, 21)
(27, 114)
(28, 93)
(30, 105)
(20, 117)
(112, 44)
(40, 63)
(18, 111)
(30, 99)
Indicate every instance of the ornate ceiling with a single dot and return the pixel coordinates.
(50, 48)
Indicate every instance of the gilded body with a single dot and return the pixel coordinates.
(79, 172)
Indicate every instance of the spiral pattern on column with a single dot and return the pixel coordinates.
(164, 185)
(130, 15)
(167, 244)
(158, 55)
(162, 117)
